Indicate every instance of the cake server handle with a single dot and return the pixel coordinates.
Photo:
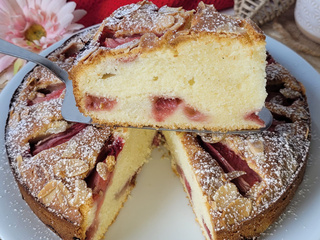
(69, 110)
(19, 52)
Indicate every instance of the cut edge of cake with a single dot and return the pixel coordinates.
(223, 91)
(236, 220)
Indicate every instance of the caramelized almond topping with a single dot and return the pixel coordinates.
(102, 169)
(48, 192)
(237, 210)
(19, 160)
(54, 191)
(111, 162)
(225, 195)
(81, 195)
(70, 168)
(256, 147)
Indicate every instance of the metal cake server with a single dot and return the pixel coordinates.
(70, 111)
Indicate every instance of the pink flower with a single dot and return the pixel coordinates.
(36, 24)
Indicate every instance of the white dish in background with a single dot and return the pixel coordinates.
(158, 207)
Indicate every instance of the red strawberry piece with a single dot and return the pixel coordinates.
(207, 229)
(229, 162)
(254, 118)
(164, 107)
(94, 103)
(56, 139)
(51, 92)
(186, 183)
(194, 114)
(111, 148)
(115, 42)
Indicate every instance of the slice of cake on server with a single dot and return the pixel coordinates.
(174, 69)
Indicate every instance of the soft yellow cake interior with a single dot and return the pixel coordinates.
(135, 153)
(223, 78)
(198, 200)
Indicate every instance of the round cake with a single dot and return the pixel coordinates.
(76, 177)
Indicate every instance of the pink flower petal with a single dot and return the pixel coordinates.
(66, 10)
(57, 17)
(5, 61)
(78, 14)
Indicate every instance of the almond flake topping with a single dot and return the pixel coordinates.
(256, 147)
(237, 210)
(70, 168)
(54, 190)
(81, 195)
(111, 162)
(102, 170)
(225, 195)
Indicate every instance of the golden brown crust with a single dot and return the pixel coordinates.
(146, 19)
(61, 226)
(257, 225)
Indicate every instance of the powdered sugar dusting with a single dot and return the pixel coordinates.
(54, 176)
(208, 19)
(278, 156)
(169, 25)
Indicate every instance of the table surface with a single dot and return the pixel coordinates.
(284, 29)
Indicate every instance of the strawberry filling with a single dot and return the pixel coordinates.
(254, 118)
(98, 185)
(51, 92)
(229, 162)
(207, 229)
(107, 39)
(115, 42)
(55, 139)
(112, 147)
(186, 183)
(163, 107)
(94, 103)
(270, 59)
(194, 114)
(131, 182)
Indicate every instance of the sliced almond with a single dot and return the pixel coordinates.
(24, 113)
(70, 167)
(102, 169)
(14, 119)
(227, 177)
(19, 161)
(237, 210)
(48, 192)
(57, 127)
(81, 195)
(55, 191)
(111, 162)
(63, 194)
(70, 149)
(212, 138)
(256, 147)
(225, 195)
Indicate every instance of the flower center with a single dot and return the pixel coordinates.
(35, 32)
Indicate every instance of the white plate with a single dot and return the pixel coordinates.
(158, 207)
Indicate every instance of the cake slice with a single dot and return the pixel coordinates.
(174, 69)
(238, 185)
